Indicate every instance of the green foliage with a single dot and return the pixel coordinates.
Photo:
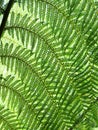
(49, 52)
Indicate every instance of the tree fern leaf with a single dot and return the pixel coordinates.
(54, 62)
(9, 119)
(30, 68)
(11, 96)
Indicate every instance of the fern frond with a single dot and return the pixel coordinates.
(8, 119)
(54, 60)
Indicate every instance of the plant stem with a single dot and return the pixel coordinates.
(5, 16)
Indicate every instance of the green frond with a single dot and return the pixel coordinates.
(49, 52)
(8, 119)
